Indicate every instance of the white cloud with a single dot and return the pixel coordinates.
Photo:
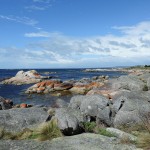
(34, 7)
(58, 50)
(42, 1)
(37, 34)
(140, 29)
(23, 20)
(40, 5)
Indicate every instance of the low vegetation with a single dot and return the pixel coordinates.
(139, 67)
(92, 127)
(145, 88)
(104, 132)
(144, 141)
(141, 131)
(45, 131)
(89, 126)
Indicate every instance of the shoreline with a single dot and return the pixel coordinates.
(102, 109)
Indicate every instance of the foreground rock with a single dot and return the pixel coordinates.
(131, 108)
(87, 141)
(17, 119)
(94, 107)
(69, 120)
(27, 77)
(5, 103)
(121, 134)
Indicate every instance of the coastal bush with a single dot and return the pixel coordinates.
(89, 126)
(145, 88)
(92, 127)
(47, 131)
(104, 132)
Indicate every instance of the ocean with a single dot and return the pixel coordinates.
(17, 92)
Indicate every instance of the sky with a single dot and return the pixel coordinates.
(74, 33)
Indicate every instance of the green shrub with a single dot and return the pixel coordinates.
(104, 132)
(89, 126)
(145, 88)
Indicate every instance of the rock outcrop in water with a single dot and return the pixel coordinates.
(27, 77)
(76, 87)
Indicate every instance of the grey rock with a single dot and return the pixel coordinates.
(60, 103)
(69, 120)
(131, 108)
(95, 78)
(121, 134)
(75, 101)
(87, 141)
(148, 83)
(92, 104)
(19, 118)
(5, 103)
(85, 80)
(104, 116)
(94, 107)
(130, 82)
(144, 76)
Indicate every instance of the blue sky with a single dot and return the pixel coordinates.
(74, 33)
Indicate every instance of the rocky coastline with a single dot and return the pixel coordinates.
(103, 113)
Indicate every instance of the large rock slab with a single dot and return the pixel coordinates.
(131, 108)
(69, 120)
(92, 104)
(130, 82)
(95, 107)
(87, 141)
(121, 134)
(19, 118)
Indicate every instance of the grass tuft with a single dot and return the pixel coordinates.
(145, 88)
(89, 126)
(104, 132)
(45, 131)
(144, 141)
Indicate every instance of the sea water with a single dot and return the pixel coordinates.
(17, 92)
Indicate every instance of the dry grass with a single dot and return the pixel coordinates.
(144, 141)
(125, 140)
(46, 131)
